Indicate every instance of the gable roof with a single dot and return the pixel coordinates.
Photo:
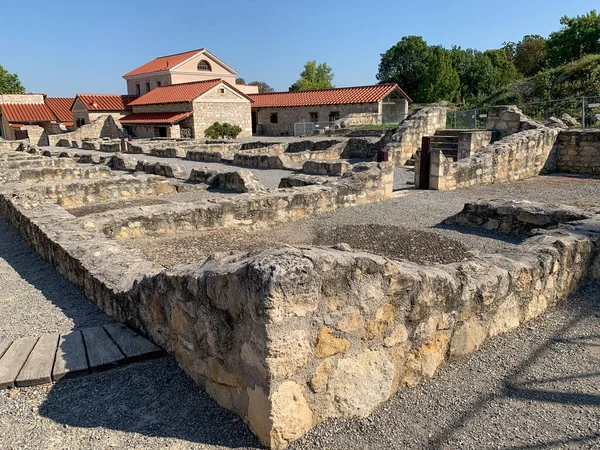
(180, 93)
(61, 107)
(170, 62)
(333, 96)
(106, 102)
(29, 112)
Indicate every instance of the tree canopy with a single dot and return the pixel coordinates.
(578, 37)
(314, 76)
(262, 86)
(9, 83)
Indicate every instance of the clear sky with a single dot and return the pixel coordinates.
(62, 48)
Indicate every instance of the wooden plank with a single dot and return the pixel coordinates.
(101, 350)
(70, 358)
(4, 346)
(38, 367)
(132, 344)
(13, 360)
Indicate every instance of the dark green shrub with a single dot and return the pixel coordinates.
(222, 130)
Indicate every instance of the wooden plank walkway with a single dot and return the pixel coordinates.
(31, 361)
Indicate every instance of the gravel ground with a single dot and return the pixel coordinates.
(269, 178)
(34, 299)
(535, 388)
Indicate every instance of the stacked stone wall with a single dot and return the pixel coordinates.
(104, 127)
(578, 151)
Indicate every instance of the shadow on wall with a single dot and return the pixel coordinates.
(154, 400)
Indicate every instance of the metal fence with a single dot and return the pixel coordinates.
(375, 122)
(581, 112)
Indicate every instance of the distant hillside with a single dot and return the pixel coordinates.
(576, 79)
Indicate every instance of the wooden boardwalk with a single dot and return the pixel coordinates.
(31, 361)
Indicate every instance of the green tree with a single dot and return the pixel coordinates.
(441, 80)
(405, 64)
(314, 76)
(262, 86)
(240, 80)
(9, 83)
(530, 55)
(578, 37)
(505, 71)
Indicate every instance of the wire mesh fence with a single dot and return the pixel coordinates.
(365, 121)
(575, 112)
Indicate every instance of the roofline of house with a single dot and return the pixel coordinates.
(101, 95)
(391, 85)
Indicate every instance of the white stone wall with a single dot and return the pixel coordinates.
(22, 99)
(221, 104)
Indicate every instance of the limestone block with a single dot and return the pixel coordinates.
(329, 345)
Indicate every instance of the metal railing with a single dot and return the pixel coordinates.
(471, 119)
(349, 123)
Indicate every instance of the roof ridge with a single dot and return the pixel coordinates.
(327, 89)
(181, 53)
(114, 95)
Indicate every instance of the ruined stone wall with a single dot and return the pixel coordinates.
(358, 114)
(516, 157)
(37, 135)
(509, 120)
(407, 139)
(103, 126)
(578, 151)
(10, 145)
(469, 142)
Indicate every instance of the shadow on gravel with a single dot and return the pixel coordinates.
(481, 233)
(37, 272)
(520, 385)
(154, 399)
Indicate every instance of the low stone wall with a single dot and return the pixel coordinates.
(300, 179)
(367, 183)
(332, 168)
(6, 145)
(44, 174)
(407, 139)
(518, 218)
(509, 120)
(469, 142)
(241, 180)
(103, 126)
(517, 157)
(578, 151)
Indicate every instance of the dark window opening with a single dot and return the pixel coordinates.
(204, 65)
(158, 83)
(137, 89)
(147, 87)
(274, 118)
(334, 115)
(314, 117)
(221, 90)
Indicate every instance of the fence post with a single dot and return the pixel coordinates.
(583, 112)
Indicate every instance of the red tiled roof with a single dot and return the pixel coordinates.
(37, 112)
(334, 96)
(106, 102)
(180, 93)
(163, 63)
(151, 118)
(61, 107)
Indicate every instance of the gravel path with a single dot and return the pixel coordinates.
(537, 387)
(34, 299)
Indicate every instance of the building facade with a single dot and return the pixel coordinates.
(186, 67)
(276, 113)
(187, 110)
(88, 107)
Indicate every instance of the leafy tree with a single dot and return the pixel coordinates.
(578, 37)
(314, 76)
(505, 71)
(262, 86)
(441, 80)
(405, 64)
(240, 80)
(9, 83)
(530, 55)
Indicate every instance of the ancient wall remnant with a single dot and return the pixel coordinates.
(508, 120)
(578, 151)
(103, 126)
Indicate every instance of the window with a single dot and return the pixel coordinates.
(147, 87)
(137, 89)
(221, 90)
(334, 115)
(274, 118)
(158, 83)
(204, 65)
(314, 117)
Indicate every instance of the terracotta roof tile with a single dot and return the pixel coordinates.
(152, 118)
(106, 102)
(163, 63)
(61, 107)
(334, 96)
(180, 93)
(37, 112)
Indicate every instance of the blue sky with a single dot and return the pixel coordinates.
(86, 47)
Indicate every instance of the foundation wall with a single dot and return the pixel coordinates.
(579, 152)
